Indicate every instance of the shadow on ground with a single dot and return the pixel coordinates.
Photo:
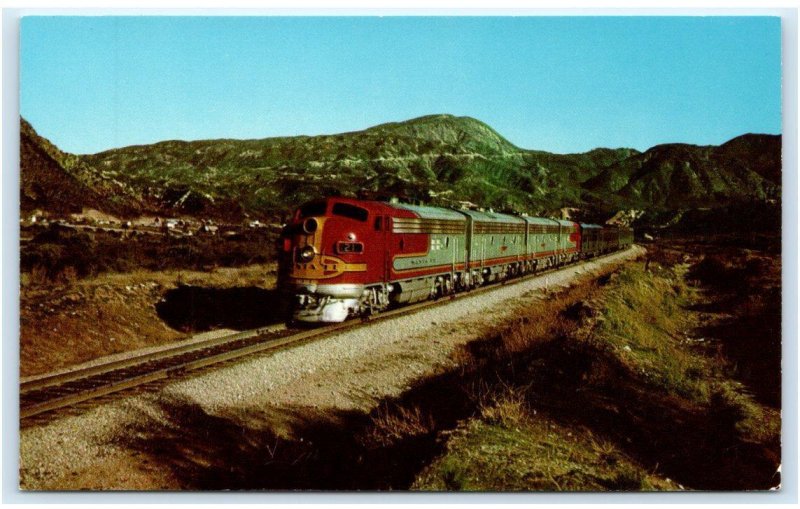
(274, 449)
(752, 347)
(196, 309)
(698, 446)
(574, 384)
(747, 325)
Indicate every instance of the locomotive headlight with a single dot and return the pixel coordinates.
(310, 225)
(306, 254)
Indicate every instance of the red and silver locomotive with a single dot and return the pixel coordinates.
(342, 257)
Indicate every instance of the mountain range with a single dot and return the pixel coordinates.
(436, 159)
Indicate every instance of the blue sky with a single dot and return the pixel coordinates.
(562, 84)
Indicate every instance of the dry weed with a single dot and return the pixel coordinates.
(392, 425)
(508, 408)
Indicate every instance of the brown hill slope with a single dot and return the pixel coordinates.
(58, 182)
(44, 183)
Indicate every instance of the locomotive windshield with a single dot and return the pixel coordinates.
(351, 211)
(315, 208)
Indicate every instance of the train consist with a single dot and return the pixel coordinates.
(342, 257)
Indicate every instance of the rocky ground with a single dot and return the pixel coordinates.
(187, 435)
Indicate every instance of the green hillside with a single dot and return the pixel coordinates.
(439, 159)
(678, 176)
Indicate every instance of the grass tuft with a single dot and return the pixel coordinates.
(508, 408)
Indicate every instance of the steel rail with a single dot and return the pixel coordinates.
(49, 380)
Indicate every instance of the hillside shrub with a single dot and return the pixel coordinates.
(58, 251)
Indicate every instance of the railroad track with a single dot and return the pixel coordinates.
(50, 393)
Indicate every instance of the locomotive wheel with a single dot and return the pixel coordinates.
(437, 291)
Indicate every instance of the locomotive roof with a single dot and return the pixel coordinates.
(445, 213)
(431, 212)
(478, 215)
(565, 222)
(540, 220)
(492, 217)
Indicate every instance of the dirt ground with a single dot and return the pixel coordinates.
(62, 325)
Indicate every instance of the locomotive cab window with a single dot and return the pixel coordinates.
(313, 209)
(350, 211)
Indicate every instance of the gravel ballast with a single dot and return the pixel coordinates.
(350, 371)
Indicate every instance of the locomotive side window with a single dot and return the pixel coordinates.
(312, 209)
(350, 211)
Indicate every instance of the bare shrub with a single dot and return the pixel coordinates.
(392, 425)
(464, 358)
(96, 253)
(549, 318)
(37, 276)
(67, 275)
